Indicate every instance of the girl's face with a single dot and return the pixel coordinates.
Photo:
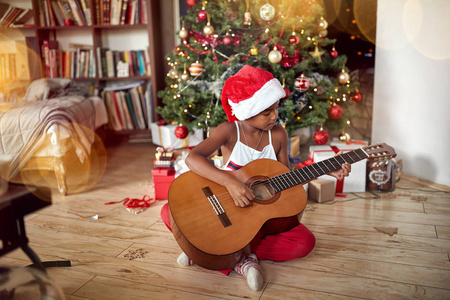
(266, 119)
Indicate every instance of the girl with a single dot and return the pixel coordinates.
(250, 99)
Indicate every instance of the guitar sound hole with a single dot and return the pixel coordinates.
(262, 190)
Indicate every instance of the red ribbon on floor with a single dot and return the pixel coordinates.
(146, 201)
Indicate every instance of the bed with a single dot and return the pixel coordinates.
(50, 121)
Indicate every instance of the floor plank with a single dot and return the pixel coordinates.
(123, 255)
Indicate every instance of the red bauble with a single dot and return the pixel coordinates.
(227, 40)
(321, 137)
(294, 39)
(202, 16)
(301, 84)
(181, 132)
(357, 97)
(288, 93)
(333, 53)
(191, 3)
(335, 112)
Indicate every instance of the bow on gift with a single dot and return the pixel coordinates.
(307, 162)
(164, 157)
(165, 149)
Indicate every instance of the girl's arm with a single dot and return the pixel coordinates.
(198, 162)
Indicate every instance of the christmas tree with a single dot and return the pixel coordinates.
(287, 38)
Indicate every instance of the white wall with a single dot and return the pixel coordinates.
(412, 85)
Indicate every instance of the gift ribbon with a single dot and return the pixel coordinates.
(339, 183)
(146, 201)
(185, 142)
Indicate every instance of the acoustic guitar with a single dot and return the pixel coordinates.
(215, 233)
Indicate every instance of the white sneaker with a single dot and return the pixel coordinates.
(184, 260)
(250, 269)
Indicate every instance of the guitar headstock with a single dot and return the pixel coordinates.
(380, 153)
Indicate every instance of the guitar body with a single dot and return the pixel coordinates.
(218, 243)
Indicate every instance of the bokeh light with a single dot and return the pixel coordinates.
(418, 32)
(366, 18)
(70, 171)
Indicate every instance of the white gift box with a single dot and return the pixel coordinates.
(356, 181)
(164, 135)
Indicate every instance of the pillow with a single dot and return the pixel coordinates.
(45, 88)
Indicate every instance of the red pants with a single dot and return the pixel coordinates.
(291, 244)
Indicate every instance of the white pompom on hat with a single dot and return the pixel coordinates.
(249, 92)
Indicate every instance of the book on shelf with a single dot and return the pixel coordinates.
(121, 12)
(129, 108)
(15, 17)
(58, 13)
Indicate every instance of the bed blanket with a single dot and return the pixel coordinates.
(23, 128)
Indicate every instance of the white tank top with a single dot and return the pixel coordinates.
(243, 154)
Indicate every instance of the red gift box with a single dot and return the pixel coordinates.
(162, 178)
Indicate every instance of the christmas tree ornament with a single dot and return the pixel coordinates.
(267, 12)
(333, 53)
(183, 33)
(173, 73)
(357, 97)
(230, 15)
(227, 40)
(202, 15)
(293, 39)
(264, 50)
(317, 53)
(247, 18)
(343, 77)
(191, 3)
(181, 132)
(275, 56)
(196, 69)
(254, 50)
(321, 137)
(319, 90)
(323, 24)
(185, 75)
(208, 29)
(335, 112)
(344, 136)
(301, 83)
(323, 33)
(286, 90)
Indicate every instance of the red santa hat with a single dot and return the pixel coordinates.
(249, 92)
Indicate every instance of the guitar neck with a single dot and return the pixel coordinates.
(305, 174)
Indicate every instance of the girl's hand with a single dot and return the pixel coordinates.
(241, 194)
(343, 172)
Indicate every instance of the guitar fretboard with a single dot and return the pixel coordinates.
(305, 174)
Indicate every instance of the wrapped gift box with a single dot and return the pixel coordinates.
(164, 135)
(162, 178)
(321, 190)
(356, 181)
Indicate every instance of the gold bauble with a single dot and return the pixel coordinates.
(184, 76)
(254, 51)
(173, 73)
(323, 33)
(344, 137)
(343, 77)
(208, 29)
(323, 23)
(275, 56)
(183, 33)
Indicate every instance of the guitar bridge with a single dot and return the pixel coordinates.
(218, 209)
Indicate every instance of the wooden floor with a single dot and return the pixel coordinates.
(351, 258)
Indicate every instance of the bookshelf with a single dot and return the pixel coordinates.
(129, 29)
